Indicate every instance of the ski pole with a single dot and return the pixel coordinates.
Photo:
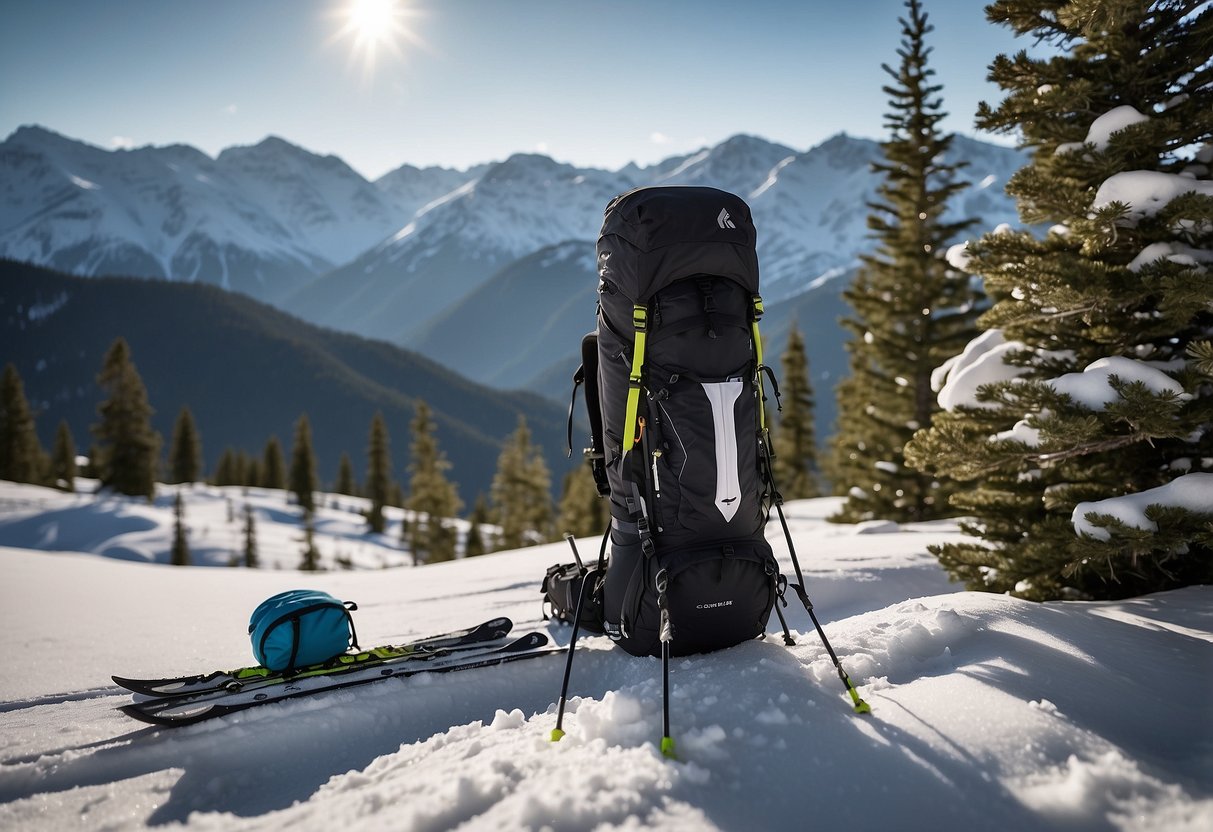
(666, 635)
(861, 707)
(558, 731)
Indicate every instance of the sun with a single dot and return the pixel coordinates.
(373, 27)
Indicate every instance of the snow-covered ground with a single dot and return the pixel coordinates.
(987, 712)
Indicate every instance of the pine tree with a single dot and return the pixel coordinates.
(63, 458)
(433, 499)
(21, 456)
(303, 466)
(225, 470)
(180, 554)
(345, 477)
(379, 473)
(273, 469)
(794, 442)
(1096, 379)
(185, 450)
(250, 538)
(311, 555)
(478, 541)
(129, 447)
(582, 512)
(252, 471)
(521, 492)
(912, 311)
(241, 468)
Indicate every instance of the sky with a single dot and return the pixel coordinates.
(459, 82)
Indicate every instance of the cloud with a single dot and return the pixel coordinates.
(657, 137)
(541, 147)
(122, 142)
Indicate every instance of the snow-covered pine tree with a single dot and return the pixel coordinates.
(521, 491)
(129, 447)
(794, 442)
(185, 450)
(303, 478)
(912, 310)
(433, 499)
(21, 455)
(1094, 378)
(63, 458)
(379, 472)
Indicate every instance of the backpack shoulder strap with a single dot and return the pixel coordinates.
(596, 453)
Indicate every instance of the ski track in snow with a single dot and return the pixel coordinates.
(988, 712)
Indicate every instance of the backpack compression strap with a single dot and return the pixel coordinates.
(640, 321)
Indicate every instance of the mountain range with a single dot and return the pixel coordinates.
(427, 257)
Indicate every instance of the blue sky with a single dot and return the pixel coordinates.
(592, 83)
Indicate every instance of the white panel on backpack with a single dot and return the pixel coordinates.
(723, 397)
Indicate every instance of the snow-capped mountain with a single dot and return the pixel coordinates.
(457, 243)
(258, 220)
(423, 256)
(810, 208)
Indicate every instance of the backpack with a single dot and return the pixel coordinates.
(301, 627)
(675, 398)
(681, 408)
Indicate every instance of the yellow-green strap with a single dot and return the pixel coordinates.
(762, 394)
(640, 321)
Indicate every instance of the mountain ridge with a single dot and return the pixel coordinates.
(252, 370)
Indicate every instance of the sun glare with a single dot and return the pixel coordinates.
(373, 26)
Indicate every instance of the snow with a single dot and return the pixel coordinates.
(1021, 431)
(1146, 192)
(980, 363)
(988, 713)
(1113, 121)
(1092, 387)
(1191, 491)
(958, 256)
(1175, 252)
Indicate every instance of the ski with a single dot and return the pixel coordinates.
(220, 680)
(192, 708)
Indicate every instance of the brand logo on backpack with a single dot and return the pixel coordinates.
(722, 219)
(713, 606)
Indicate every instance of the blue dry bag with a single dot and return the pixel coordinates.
(301, 627)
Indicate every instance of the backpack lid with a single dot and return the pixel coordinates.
(652, 237)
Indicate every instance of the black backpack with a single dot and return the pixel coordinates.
(674, 380)
(682, 420)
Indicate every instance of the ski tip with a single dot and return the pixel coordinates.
(862, 707)
(134, 712)
(131, 685)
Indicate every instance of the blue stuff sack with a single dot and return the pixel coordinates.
(301, 627)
